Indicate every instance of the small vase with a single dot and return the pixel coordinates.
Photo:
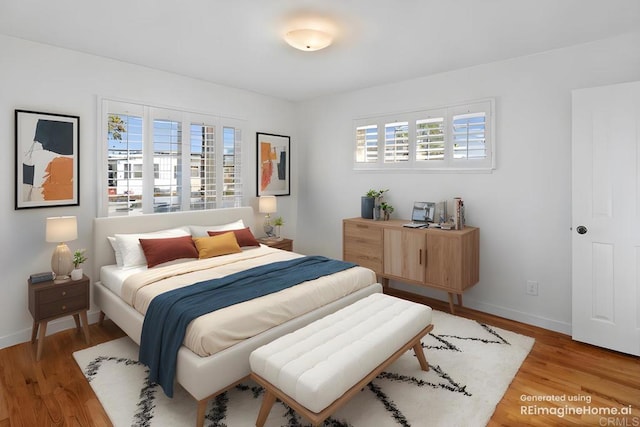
(76, 274)
(377, 209)
(366, 207)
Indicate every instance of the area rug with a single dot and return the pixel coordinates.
(471, 366)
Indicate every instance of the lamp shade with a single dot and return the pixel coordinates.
(268, 204)
(308, 39)
(61, 229)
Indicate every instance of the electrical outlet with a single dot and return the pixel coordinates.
(532, 288)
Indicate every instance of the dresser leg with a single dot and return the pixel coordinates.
(451, 305)
(76, 318)
(34, 331)
(85, 326)
(43, 333)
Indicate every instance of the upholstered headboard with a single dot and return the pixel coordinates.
(103, 227)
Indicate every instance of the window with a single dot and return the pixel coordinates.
(194, 160)
(456, 137)
(396, 142)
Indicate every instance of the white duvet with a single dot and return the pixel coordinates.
(223, 328)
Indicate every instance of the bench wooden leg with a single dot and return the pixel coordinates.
(202, 407)
(419, 351)
(267, 402)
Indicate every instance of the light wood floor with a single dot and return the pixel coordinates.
(53, 392)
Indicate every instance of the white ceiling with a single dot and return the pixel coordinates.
(239, 42)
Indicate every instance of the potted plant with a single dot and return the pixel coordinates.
(370, 204)
(78, 258)
(278, 223)
(387, 210)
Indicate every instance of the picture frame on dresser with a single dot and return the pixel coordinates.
(47, 159)
(273, 154)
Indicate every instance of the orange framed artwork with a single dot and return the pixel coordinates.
(273, 164)
(47, 160)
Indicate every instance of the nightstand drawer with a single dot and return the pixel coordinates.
(58, 292)
(62, 306)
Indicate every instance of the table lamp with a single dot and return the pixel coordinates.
(268, 205)
(60, 230)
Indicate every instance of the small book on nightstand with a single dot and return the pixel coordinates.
(41, 277)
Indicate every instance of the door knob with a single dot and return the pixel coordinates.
(581, 229)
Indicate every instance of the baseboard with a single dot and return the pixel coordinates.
(53, 326)
(496, 310)
(520, 316)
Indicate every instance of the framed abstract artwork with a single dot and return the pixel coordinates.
(273, 164)
(47, 160)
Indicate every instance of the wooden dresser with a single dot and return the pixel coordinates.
(447, 260)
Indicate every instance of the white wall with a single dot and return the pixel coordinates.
(523, 208)
(44, 78)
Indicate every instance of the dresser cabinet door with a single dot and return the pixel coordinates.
(405, 254)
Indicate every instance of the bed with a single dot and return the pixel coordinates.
(229, 365)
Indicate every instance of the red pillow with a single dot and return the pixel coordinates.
(244, 236)
(158, 251)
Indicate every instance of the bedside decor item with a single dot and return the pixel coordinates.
(47, 160)
(278, 223)
(60, 230)
(41, 277)
(268, 205)
(273, 164)
(78, 259)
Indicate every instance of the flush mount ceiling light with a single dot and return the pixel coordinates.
(308, 39)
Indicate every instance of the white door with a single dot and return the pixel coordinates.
(606, 217)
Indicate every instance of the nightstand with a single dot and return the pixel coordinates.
(284, 244)
(49, 300)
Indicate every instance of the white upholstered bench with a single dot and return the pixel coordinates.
(318, 368)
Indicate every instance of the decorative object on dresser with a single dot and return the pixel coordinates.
(371, 204)
(268, 205)
(387, 210)
(60, 230)
(439, 259)
(49, 300)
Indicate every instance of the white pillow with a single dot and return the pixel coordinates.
(131, 250)
(116, 251)
(201, 230)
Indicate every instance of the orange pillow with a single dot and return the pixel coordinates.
(222, 244)
(244, 236)
(158, 251)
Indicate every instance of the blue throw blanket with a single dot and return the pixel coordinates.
(170, 313)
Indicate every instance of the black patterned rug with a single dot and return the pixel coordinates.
(472, 365)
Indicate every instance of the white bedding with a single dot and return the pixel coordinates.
(113, 276)
(226, 327)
